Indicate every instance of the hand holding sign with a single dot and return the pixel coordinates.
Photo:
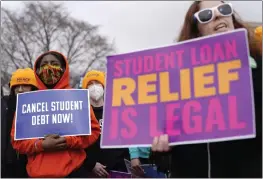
(54, 142)
(100, 171)
(161, 144)
(136, 167)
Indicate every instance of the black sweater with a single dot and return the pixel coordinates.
(113, 159)
(13, 164)
(238, 159)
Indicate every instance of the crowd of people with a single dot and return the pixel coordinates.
(82, 156)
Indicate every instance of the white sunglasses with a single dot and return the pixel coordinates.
(207, 15)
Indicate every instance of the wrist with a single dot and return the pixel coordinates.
(136, 158)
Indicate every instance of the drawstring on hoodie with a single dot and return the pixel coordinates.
(17, 155)
(209, 160)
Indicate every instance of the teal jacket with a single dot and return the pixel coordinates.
(140, 152)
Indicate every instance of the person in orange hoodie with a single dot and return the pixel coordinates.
(56, 156)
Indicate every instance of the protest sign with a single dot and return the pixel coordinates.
(195, 91)
(150, 171)
(117, 174)
(128, 165)
(63, 112)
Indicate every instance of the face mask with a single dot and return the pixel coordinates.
(96, 92)
(50, 74)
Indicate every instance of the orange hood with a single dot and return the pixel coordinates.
(63, 83)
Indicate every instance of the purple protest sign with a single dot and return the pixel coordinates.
(117, 174)
(195, 91)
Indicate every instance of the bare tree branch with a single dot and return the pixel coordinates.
(44, 26)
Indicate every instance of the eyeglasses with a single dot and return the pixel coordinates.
(207, 15)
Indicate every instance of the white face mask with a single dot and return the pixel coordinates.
(96, 91)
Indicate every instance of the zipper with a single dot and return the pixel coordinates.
(209, 160)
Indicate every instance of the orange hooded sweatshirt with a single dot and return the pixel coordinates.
(58, 163)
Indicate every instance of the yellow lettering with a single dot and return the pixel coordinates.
(144, 88)
(185, 83)
(200, 80)
(225, 76)
(165, 94)
(123, 94)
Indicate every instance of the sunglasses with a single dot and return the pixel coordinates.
(207, 15)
